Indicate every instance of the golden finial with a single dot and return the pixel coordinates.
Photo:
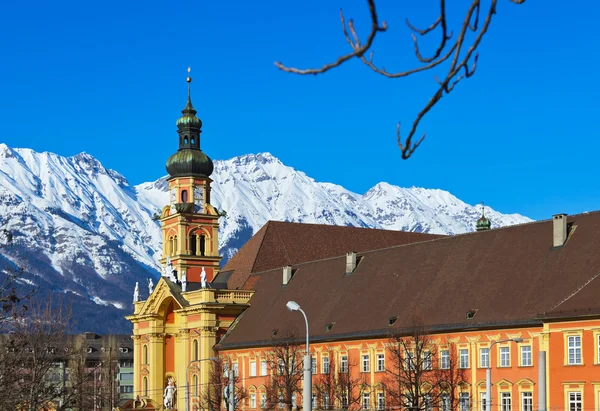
(189, 78)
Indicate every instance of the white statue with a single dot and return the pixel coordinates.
(169, 271)
(150, 286)
(136, 293)
(169, 395)
(203, 278)
(183, 280)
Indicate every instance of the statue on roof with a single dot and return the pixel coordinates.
(203, 278)
(169, 271)
(136, 293)
(150, 286)
(183, 280)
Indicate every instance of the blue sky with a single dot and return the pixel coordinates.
(108, 78)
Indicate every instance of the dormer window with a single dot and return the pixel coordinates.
(89, 350)
(124, 349)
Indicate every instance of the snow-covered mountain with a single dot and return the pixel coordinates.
(82, 230)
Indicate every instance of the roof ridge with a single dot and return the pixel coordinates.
(564, 300)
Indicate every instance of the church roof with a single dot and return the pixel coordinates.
(278, 244)
(504, 277)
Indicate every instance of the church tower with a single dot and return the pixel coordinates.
(176, 327)
(190, 224)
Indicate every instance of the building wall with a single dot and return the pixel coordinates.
(518, 377)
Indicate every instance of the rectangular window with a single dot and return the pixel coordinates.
(126, 376)
(263, 368)
(444, 359)
(325, 401)
(365, 363)
(410, 362)
(313, 364)
(427, 360)
(574, 401)
(464, 358)
(464, 401)
(484, 357)
(428, 402)
(380, 362)
(253, 368)
(325, 365)
(504, 356)
(526, 356)
(445, 402)
(281, 367)
(263, 401)
(344, 363)
(235, 369)
(483, 401)
(505, 401)
(366, 401)
(380, 401)
(252, 400)
(526, 401)
(314, 402)
(574, 345)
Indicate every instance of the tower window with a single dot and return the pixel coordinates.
(202, 245)
(185, 139)
(193, 140)
(193, 243)
(184, 196)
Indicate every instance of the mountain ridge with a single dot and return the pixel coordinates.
(85, 232)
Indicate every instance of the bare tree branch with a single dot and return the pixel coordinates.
(459, 60)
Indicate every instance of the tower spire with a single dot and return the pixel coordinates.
(483, 223)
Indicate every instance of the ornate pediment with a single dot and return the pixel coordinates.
(162, 291)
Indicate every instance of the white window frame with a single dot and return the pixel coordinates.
(366, 363)
(574, 349)
(313, 365)
(427, 366)
(526, 356)
(464, 401)
(445, 402)
(253, 400)
(527, 401)
(325, 401)
(464, 358)
(504, 356)
(483, 401)
(263, 368)
(366, 401)
(253, 368)
(380, 362)
(325, 365)
(505, 401)
(484, 357)
(575, 401)
(445, 359)
(344, 363)
(380, 401)
(263, 401)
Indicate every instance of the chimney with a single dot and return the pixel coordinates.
(559, 223)
(350, 262)
(287, 274)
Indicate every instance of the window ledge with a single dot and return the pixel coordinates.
(525, 366)
(574, 365)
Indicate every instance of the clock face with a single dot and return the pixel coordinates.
(198, 196)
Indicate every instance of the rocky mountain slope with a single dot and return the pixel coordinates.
(81, 230)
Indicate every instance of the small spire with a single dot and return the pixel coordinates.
(482, 209)
(189, 108)
(483, 223)
(189, 81)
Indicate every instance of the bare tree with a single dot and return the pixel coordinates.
(31, 353)
(285, 362)
(420, 376)
(342, 387)
(213, 398)
(458, 53)
(326, 384)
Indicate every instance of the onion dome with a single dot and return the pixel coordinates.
(483, 224)
(189, 160)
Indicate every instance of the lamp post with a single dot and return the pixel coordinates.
(488, 372)
(307, 391)
(187, 382)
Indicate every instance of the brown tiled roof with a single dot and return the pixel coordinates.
(510, 275)
(278, 244)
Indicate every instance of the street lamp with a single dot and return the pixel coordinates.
(488, 372)
(187, 382)
(307, 391)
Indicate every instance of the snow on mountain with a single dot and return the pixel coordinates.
(83, 230)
